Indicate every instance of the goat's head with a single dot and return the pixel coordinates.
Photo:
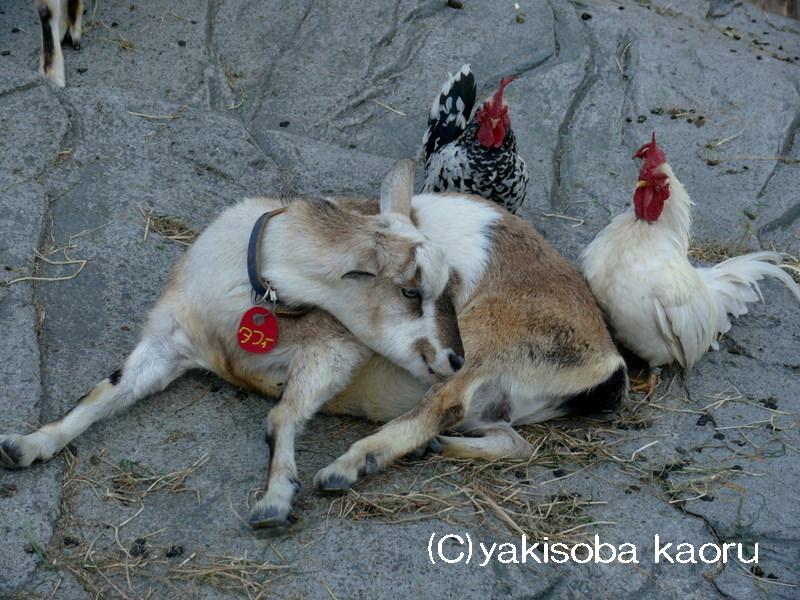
(399, 287)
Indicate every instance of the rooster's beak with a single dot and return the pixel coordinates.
(494, 122)
(642, 183)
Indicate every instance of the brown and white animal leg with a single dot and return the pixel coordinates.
(75, 20)
(497, 440)
(442, 408)
(51, 61)
(315, 375)
(154, 363)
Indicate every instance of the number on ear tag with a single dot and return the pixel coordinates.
(258, 330)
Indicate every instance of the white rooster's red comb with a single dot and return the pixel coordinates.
(651, 153)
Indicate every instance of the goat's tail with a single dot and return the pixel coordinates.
(604, 397)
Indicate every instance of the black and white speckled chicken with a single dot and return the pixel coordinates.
(476, 155)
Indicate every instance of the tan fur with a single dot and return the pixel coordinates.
(531, 304)
(533, 337)
(532, 297)
(530, 324)
(97, 392)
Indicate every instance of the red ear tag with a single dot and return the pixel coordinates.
(258, 330)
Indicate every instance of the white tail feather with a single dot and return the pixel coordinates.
(733, 283)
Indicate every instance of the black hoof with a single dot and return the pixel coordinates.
(432, 447)
(417, 454)
(10, 456)
(68, 41)
(370, 464)
(273, 519)
(335, 484)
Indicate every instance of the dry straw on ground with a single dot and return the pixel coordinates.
(109, 564)
(131, 482)
(715, 252)
(535, 497)
(513, 493)
(62, 259)
(116, 572)
(169, 227)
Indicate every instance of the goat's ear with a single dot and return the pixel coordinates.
(358, 275)
(397, 188)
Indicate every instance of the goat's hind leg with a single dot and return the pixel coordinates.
(442, 408)
(487, 442)
(153, 364)
(51, 61)
(75, 21)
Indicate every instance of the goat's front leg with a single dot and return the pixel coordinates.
(51, 61)
(316, 374)
(443, 407)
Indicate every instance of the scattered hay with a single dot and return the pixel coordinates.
(169, 227)
(519, 506)
(149, 117)
(134, 480)
(577, 221)
(714, 144)
(103, 573)
(130, 482)
(123, 44)
(510, 492)
(65, 260)
(109, 565)
(238, 575)
(794, 263)
(515, 493)
(389, 108)
(62, 155)
(622, 60)
(716, 252)
(682, 483)
(172, 14)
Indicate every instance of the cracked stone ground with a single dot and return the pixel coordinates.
(183, 108)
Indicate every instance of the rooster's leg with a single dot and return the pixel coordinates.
(648, 385)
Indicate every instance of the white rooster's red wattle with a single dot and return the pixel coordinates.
(658, 304)
(476, 155)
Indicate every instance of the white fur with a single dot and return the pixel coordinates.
(59, 26)
(659, 305)
(464, 240)
(195, 322)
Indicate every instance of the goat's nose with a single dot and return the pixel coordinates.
(456, 361)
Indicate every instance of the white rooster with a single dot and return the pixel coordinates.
(659, 305)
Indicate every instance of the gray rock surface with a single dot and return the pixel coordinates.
(183, 108)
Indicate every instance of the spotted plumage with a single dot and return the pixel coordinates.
(473, 154)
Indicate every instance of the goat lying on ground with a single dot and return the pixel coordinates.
(388, 285)
(58, 18)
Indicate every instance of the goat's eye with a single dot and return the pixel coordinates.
(411, 292)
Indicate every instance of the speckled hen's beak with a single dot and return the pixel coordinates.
(642, 183)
